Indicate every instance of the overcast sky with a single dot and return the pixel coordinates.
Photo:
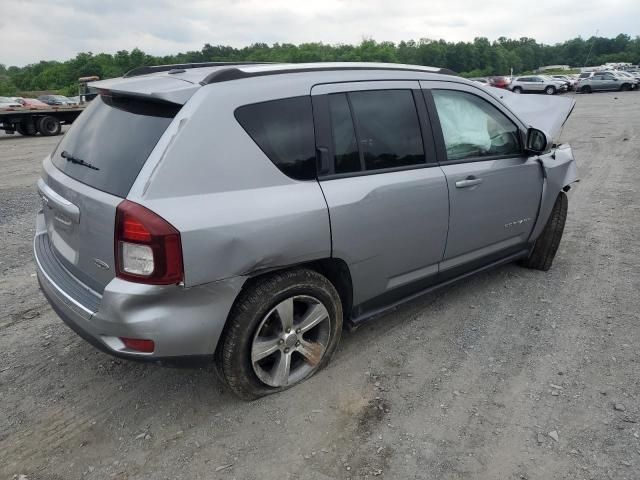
(33, 30)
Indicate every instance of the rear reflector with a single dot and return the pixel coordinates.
(139, 344)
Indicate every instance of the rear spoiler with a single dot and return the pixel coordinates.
(162, 88)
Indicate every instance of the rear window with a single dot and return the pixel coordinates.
(283, 129)
(114, 135)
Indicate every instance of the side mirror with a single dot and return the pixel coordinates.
(536, 141)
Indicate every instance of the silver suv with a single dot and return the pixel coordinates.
(603, 80)
(248, 212)
(538, 84)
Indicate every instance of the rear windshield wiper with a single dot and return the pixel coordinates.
(78, 161)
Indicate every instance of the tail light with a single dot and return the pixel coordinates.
(147, 247)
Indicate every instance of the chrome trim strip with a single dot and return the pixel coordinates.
(54, 285)
(63, 205)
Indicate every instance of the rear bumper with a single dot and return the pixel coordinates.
(181, 321)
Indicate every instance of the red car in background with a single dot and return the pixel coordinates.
(30, 102)
(499, 82)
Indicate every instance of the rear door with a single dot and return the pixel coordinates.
(494, 188)
(387, 196)
(89, 173)
(599, 82)
(537, 84)
(527, 84)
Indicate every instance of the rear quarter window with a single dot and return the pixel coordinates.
(115, 135)
(283, 129)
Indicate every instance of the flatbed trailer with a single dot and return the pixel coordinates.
(31, 121)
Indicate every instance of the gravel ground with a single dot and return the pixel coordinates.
(513, 374)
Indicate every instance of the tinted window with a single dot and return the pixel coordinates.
(387, 128)
(472, 127)
(345, 145)
(283, 129)
(115, 135)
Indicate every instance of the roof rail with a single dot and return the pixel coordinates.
(181, 67)
(232, 73)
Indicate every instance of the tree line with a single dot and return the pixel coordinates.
(477, 58)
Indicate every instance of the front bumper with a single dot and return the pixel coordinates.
(182, 322)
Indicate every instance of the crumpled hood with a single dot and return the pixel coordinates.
(544, 112)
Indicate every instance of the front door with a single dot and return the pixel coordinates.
(494, 188)
(387, 196)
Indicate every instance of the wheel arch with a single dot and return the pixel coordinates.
(334, 269)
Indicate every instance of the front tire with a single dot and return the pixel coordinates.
(282, 329)
(517, 90)
(585, 89)
(550, 90)
(546, 246)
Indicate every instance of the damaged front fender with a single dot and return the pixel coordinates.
(559, 171)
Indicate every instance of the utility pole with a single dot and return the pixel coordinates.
(589, 54)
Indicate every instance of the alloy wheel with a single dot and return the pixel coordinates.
(290, 341)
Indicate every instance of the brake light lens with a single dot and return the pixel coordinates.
(148, 249)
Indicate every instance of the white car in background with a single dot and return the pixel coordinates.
(6, 102)
(537, 84)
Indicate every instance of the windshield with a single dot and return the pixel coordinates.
(115, 135)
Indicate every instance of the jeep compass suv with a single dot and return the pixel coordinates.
(245, 213)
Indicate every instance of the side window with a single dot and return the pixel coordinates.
(345, 143)
(375, 130)
(388, 128)
(283, 129)
(473, 128)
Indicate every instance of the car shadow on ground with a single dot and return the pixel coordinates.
(200, 385)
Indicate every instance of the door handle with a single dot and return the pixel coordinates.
(468, 182)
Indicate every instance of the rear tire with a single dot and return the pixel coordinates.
(259, 302)
(546, 246)
(49, 126)
(550, 90)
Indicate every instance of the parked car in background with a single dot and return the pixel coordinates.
(537, 84)
(626, 76)
(75, 100)
(571, 82)
(584, 75)
(30, 102)
(55, 100)
(603, 80)
(153, 248)
(7, 102)
(482, 80)
(499, 82)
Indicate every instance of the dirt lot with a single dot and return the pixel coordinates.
(514, 374)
